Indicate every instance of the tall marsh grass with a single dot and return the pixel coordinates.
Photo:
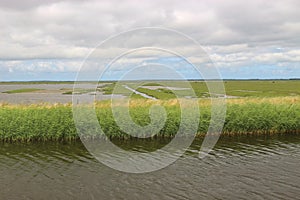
(54, 122)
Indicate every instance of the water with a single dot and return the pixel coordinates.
(51, 93)
(238, 168)
(139, 93)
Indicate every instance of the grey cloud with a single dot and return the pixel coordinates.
(29, 4)
(70, 29)
(261, 21)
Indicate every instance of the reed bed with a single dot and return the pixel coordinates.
(54, 122)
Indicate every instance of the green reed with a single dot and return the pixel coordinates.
(55, 122)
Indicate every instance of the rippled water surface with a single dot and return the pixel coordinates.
(238, 168)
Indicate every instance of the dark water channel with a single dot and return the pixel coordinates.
(265, 167)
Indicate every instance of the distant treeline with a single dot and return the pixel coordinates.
(91, 81)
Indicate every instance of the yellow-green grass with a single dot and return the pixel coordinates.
(54, 122)
(238, 88)
(23, 90)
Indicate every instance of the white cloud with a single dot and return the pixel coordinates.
(234, 33)
(40, 66)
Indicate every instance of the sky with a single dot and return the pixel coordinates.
(50, 39)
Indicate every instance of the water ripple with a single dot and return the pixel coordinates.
(241, 168)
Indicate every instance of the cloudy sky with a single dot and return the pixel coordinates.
(48, 40)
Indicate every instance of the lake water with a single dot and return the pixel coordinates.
(51, 93)
(238, 168)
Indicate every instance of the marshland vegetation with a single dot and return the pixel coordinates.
(54, 122)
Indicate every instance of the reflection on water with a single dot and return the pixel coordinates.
(238, 168)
